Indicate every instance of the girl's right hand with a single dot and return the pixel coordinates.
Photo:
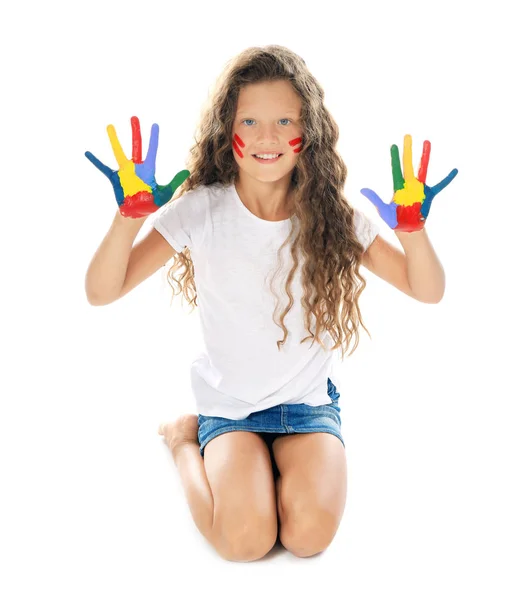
(136, 191)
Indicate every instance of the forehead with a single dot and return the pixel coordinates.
(269, 98)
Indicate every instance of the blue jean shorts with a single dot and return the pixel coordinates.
(276, 421)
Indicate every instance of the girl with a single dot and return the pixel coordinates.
(269, 245)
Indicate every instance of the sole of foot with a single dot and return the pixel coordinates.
(181, 431)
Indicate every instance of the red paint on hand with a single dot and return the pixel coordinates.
(409, 217)
(139, 205)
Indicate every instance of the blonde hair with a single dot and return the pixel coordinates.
(326, 238)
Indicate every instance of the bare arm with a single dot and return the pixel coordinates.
(118, 266)
(417, 271)
(389, 263)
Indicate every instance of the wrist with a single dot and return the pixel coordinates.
(407, 235)
(128, 222)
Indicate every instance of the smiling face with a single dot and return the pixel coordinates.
(267, 121)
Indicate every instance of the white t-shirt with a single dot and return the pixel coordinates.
(234, 252)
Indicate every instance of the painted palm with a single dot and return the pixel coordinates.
(412, 198)
(136, 191)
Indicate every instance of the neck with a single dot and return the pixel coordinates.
(272, 201)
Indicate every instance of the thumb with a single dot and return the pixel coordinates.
(373, 197)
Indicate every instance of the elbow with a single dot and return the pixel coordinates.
(433, 294)
(94, 300)
(440, 295)
(431, 299)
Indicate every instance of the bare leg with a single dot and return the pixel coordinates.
(231, 492)
(181, 437)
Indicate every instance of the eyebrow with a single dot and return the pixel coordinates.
(247, 112)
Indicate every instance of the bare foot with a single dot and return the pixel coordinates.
(182, 431)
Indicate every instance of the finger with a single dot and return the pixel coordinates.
(446, 181)
(424, 162)
(151, 156)
(408, 158)
(136, 140)
(386, 211)
(178, 180)
(426, 204)
(117, 148)
(373, 197)
(398, 180)
(100, 166)
(163, 193)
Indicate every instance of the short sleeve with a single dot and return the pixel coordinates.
(366, 229)
(178, 221)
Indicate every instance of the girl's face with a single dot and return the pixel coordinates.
(267, 121)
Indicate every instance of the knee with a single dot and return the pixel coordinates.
(308, 533)
(247, 541)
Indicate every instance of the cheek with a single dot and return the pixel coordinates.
(296, 142)
(238, 143)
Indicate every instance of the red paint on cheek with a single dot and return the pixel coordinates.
(236, 143)
(294, 142)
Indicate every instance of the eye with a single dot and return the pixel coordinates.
(244, 120)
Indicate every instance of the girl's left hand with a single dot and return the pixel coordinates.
(412, 197)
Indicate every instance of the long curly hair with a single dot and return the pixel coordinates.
(324, 234)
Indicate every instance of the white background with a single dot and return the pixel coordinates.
(432, 408)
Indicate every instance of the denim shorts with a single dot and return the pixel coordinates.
(276, 421)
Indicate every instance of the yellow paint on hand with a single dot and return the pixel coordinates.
(131, 183)
(408, 159)
(412, 192)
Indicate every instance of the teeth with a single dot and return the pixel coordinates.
(267, 155)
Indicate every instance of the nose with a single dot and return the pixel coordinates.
(268, 134)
